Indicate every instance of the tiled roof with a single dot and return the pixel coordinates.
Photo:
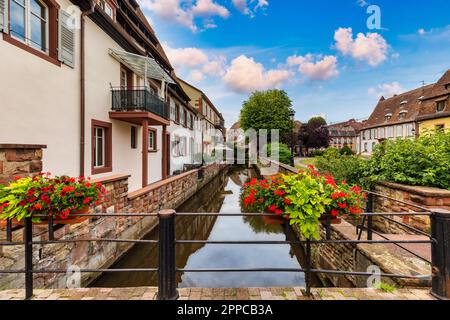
(344, 128)
(411, 105)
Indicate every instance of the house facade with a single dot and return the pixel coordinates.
(407, 115)
(345, 134)
(95, 86)
(211, 121)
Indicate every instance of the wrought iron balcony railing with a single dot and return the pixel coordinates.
(139, 99)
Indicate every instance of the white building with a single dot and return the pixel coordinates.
(91, 82)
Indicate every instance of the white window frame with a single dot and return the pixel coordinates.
(27, 26)
(96, 144)
(152, 140)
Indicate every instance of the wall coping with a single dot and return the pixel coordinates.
(112, 178)
(22, 146)
(420, 190)
(158, 184)
(285, 166)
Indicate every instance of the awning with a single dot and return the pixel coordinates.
(141, 65)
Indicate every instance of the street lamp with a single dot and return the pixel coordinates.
(292, 117)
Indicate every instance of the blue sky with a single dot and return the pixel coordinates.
(321, 52)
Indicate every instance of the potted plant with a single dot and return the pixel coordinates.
(42, 196)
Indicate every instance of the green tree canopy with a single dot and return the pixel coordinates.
(267, 110)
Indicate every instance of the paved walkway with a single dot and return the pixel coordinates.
(297, 293)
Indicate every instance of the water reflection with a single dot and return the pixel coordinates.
(221, 195)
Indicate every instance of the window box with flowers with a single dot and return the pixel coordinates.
(304, 199)
(42, 196)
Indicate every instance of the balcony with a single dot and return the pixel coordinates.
(219, 124)
(138, 103)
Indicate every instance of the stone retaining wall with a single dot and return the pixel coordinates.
(430, 198)
(19, 160)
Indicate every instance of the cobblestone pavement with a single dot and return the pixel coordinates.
(220, 294)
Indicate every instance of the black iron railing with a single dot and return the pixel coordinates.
(167, 270)
(139, 99)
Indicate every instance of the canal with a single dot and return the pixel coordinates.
(220, 195)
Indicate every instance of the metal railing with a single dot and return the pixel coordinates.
(167, 269)
(139, 99)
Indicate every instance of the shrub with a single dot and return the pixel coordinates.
(346, 151)
(281, 152)
(318, 153)
(350, 168)
(424, 161)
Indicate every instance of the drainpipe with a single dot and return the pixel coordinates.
(83, 88)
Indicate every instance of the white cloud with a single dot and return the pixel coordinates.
(185, 12)
(195, 62)
(315, 68)
(196, 76)
(185, 57)
(421, 32)
(243, 6)
(386, 90)
(210, 8)
(171, 10)
(371, 47)
(244, 75)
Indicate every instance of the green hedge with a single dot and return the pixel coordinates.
(281, 152)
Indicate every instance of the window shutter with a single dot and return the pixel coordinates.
(66, 41)
(4, 16)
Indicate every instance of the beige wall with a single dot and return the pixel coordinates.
(39, 104)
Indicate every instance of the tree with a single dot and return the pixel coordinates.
(314, 134)
(268, 110)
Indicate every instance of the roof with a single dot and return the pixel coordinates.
(417, 104)
(409, 103)
(204, 96)
(346, 128)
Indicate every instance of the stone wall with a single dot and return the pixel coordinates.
(93, 255)
(429, 198)
(19, 160)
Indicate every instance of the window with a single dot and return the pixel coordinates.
(409, 130)
(440, 105)
(183, 117)
(177, 113)
(374, 144)
(29, 23)
(381, 133)
(173, 112)
(402, 114)
(133, 138)
(399, 131)
(179, 146)
(388, 117)
(365, 147)
(107, 8)
(390, 132)
(101, 147)
(152, 140)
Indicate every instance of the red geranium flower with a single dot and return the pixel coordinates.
(279, 193)
(342, 205)
(334, 213)
(272, 208)
(287, 201)
(278, 212)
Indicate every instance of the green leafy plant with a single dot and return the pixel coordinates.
(424, 161)
(346, 151)
(350, 168)
(43, 195)
(279, 152)
(302, 198)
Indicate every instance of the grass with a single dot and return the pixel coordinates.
(385, 287)
(309, 161)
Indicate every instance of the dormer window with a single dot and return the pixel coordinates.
(402, 114)
(404, 102)
(447, 86)
(440, 105)
(388, 117)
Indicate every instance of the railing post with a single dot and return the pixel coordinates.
(8, 230)
(369, 209)
(440, 253)
(308, 267)
(27, 240)
(167, 282)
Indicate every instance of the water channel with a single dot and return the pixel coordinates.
(220, 195)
